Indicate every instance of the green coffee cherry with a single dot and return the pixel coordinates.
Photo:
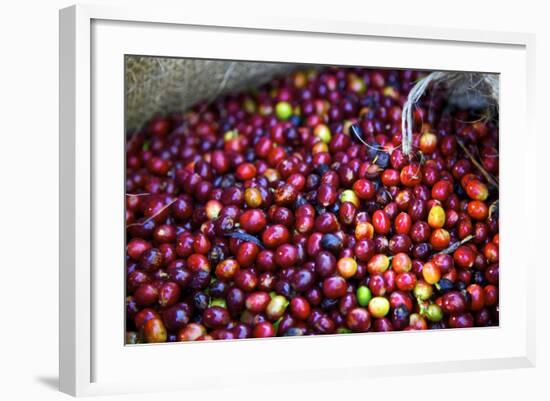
(322, 132)
(364, 295)
(276, 307)
(350, 196)
(422, 290)
(283, 110)
(434, 313)
(219, 302)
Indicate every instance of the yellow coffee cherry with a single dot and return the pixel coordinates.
(436, 217)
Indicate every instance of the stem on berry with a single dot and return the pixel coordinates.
(162, 209)
(455, 246)
(485, 173)
(139, 194)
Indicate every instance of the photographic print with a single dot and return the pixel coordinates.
(272, 199)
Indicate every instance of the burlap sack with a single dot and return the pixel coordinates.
(162, 85)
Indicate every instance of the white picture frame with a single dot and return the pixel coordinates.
(93, 41)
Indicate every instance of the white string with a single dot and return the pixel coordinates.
(406, 117)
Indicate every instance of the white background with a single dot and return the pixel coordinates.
(29, 200)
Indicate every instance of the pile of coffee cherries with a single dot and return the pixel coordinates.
(292, 210)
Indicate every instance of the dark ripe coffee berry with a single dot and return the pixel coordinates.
(332, 243)
(151, 260)
(253, 221)
(164, 233)
(464, 257)
(146, 294)
(216, 317)
(300, 308)
(286, 255)
(275, 235)
(462, 320)
(326, 195)
(364, 250)
(303, 280)
(364, 189)
(247, 253)
(137, 278)
(256, 302)
(169, 294)
(246, 280)
(177, 316)
(326, 223)
(381, 222)
(325, 264)
(246, 171)
(358, 320)
(411, 175)
(453, 302)
(286, 194)
(334, 287)
(263, 329)
(400, 317)
(136, 247)
(197, 262)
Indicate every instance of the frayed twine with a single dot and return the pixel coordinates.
(464, 89)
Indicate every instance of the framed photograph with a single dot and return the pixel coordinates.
(299, 199)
